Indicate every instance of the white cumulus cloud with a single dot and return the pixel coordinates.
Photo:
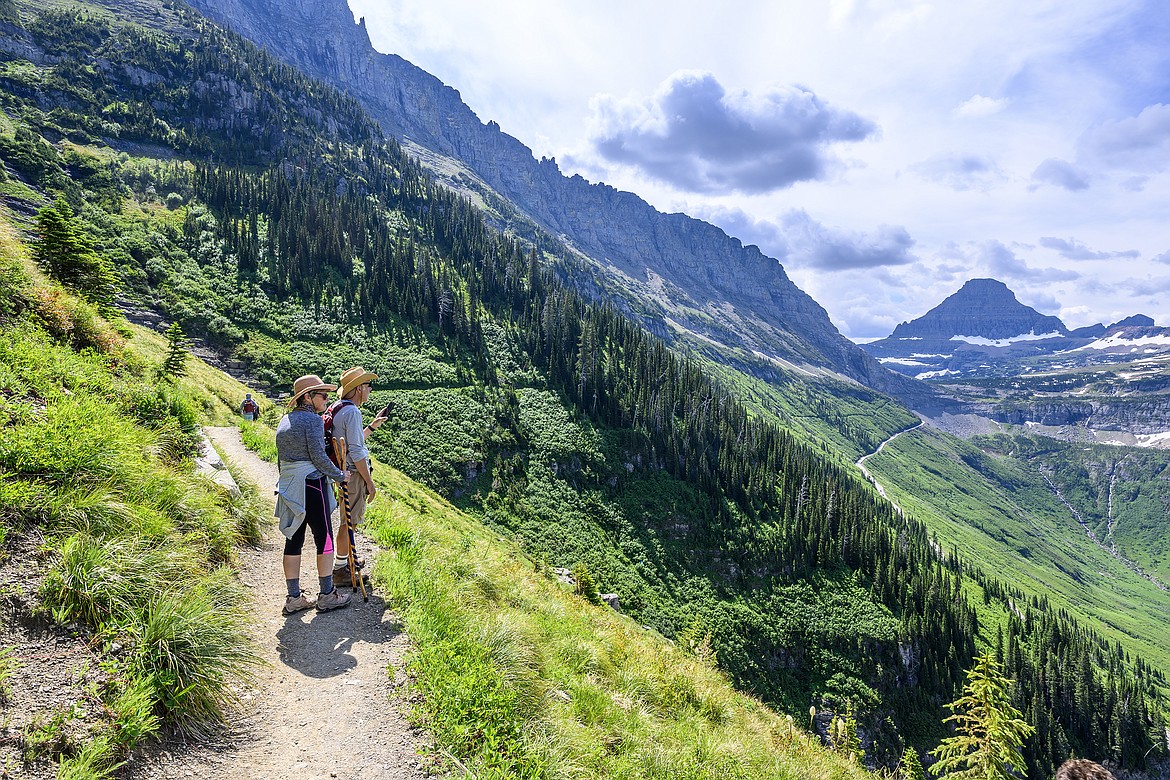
(696, 136)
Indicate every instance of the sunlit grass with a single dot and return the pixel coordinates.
(95, 465)
(521, 678)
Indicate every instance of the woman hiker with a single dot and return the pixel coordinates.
(303, 493)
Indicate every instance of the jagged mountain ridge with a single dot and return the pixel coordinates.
(983, 330)
(677, 273)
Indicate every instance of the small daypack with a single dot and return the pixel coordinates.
(327, 418)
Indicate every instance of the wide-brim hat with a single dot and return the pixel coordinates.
(308, 384)
(354, 377)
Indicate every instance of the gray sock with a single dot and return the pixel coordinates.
(326, 584)
(294, 587)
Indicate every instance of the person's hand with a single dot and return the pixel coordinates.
(376, 423)
(344, 476)
(371, 491)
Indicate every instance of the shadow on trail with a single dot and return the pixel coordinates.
(320, 644)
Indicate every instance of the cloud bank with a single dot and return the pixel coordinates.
(695, 136)
(1075, 250)
(1060, 173)
(1137, 143)
(801, 241)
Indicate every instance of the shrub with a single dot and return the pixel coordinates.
(74, 321)
(586, 585)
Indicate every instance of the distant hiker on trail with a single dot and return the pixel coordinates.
(249, 408)
(303, 494)
(347, 422)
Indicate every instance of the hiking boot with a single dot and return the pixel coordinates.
(332, 600)
(341, 575)
(295, 604)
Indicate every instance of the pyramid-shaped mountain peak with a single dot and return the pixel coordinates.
(982, 308)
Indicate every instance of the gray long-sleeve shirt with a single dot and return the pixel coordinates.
(301, 436)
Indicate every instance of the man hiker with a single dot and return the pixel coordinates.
(354, 390)
(249, 408)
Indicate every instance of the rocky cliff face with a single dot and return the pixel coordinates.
(679, 273)
(1150, 415)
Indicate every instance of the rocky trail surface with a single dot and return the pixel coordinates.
(328, 701)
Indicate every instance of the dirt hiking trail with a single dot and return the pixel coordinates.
(323, 704)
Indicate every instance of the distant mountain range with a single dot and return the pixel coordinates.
(983, 330)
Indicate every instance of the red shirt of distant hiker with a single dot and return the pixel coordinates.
(347, 421)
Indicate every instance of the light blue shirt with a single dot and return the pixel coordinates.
(347, 422)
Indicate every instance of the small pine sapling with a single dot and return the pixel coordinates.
(990, 731)
(586, 585)
(175, 363)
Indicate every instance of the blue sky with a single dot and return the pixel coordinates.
(883, 151)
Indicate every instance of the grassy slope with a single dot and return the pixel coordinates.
(521, 677)
(133, 548)
(1000, 512)
(1121, 493)
(841, 419)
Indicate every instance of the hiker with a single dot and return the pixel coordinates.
(249, 408)
(347, 422)
(304, 495)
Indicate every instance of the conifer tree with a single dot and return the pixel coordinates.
(910, 767)
(991, 731)
(586, 585)
(175, 364)
(64, 251)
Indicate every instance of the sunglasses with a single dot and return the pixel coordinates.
(321, 393)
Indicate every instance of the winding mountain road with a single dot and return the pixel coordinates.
(865, 472)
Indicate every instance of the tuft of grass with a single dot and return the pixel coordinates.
(9, 665)
(96, 760)
(260, 438)
(192, 645)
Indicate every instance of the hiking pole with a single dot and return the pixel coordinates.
(355, 579)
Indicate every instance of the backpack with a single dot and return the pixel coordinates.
(249, 407)
(327, 418)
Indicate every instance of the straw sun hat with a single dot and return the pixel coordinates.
(308, 384)
(354, 377)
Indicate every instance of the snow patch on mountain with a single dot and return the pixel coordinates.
(979, 341)
(1121, 340)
